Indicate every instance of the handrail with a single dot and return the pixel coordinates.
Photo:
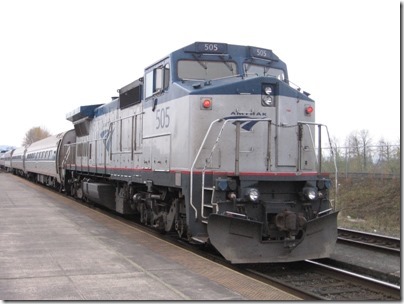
(66, 156)
(226, 121)
(193, 165)
(307, 123)
(240, 120)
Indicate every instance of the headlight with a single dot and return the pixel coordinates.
(267, 95)
(268, 90)
(267, 100)
(252, 195)
(310, 193)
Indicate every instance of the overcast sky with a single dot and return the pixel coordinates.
(58, 55)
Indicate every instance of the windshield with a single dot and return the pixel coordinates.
(260, 70)
(205, 70)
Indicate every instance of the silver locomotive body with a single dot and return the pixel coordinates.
(215, 144)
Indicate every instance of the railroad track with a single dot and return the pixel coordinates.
(370, 240)
(328, 279)
(309, 280)
(322, 282)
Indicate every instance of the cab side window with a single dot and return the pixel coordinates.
(157, 80)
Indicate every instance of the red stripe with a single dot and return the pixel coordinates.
(229, 173)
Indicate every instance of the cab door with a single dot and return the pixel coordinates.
(286, 133)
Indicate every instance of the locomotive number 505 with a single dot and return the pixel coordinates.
(162, 118)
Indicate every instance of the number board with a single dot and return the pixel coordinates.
(211, 47)
(260, 53)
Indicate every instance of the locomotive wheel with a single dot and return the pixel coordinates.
(180, 226)
(143, 215)
(79, 193)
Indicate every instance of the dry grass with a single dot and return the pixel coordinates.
(371, 205)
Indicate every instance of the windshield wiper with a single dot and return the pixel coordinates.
(226, 63)
(200, 62)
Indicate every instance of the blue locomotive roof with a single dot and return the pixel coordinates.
(237, 53)
(199, 51)
(82, 112)
(227, 49)
(106, 108)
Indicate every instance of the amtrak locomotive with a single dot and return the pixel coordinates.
(213, 143)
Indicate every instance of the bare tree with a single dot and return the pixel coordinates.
(366, 142)
(359, 144)
(336, 151)
(353, 153)
(384, 151)
(389, 157)
(34, 134)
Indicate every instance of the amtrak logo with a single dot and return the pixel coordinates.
(106, 135)
(246, 125)
(251, 113)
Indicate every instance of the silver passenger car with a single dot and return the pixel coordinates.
(2, 159)
(18, 161)
(44, 158)
(7, 159)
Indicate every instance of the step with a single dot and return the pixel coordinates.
(202, 239)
